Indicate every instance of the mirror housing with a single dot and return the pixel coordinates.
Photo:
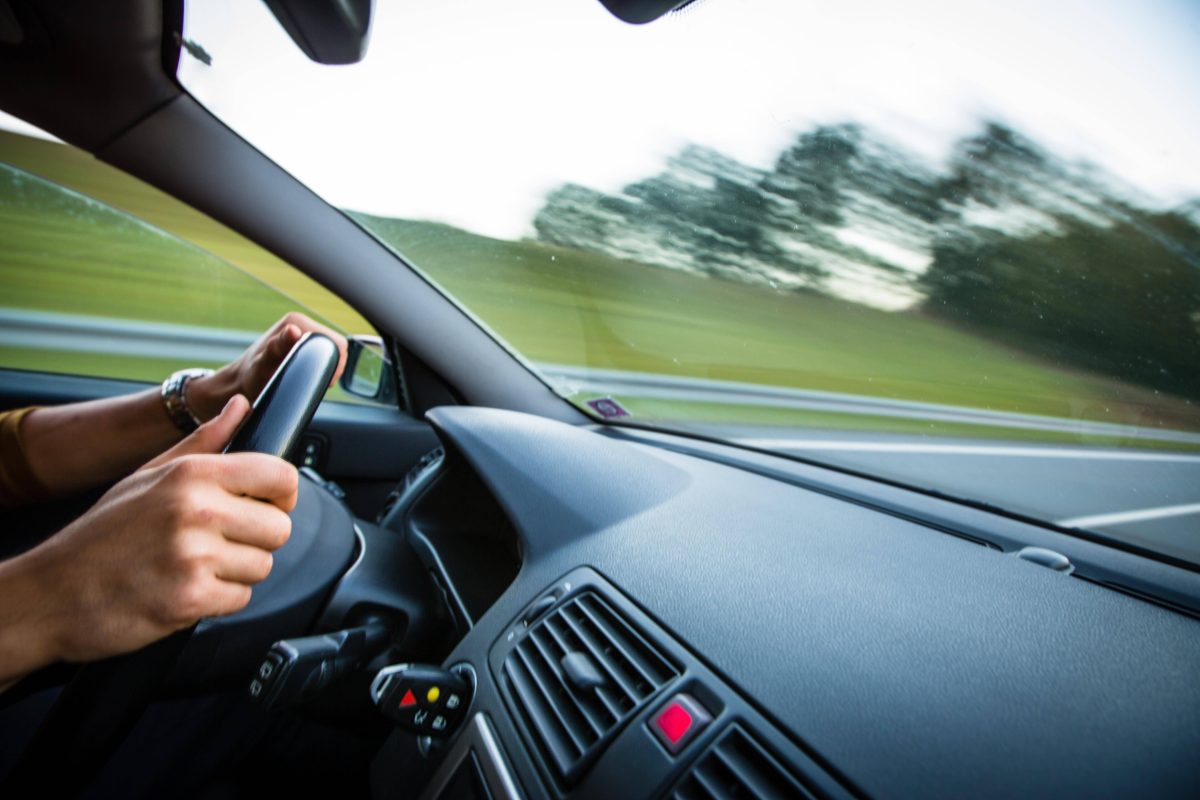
(328, 31)
(368, 373)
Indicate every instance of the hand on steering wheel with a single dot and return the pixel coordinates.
(196, 525)
(99, 707)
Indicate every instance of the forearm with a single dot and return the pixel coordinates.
(84, 445)
(28, 624)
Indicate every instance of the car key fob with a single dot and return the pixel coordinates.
(421, 698)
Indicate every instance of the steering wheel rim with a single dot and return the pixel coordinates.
(81, 731)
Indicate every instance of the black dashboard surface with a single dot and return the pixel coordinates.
(909, 661)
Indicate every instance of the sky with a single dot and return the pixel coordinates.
(470, 111)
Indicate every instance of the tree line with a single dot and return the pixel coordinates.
(1006, 239)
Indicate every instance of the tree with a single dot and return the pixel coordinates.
(1109, 299)
(1010, 240)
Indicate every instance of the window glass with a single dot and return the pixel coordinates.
(88, 289)
(856, 218)
(949, 243)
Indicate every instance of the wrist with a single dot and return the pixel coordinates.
(206, 396)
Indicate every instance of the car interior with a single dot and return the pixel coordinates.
(489, 593)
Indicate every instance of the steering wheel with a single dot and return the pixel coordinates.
(85, 725)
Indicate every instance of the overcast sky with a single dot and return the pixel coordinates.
(469, 111)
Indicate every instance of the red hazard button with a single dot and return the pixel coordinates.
(679, 721)
(408, 700)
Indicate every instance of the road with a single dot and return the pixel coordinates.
(1146, 497)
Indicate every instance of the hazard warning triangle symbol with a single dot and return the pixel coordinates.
(408, 699)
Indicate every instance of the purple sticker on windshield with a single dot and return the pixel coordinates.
(607, 407)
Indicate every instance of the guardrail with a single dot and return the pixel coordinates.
(619, 383)
(52, 331)
(43, 330)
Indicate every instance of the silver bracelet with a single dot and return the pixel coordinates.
(174, 396)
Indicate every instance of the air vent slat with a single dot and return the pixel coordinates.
(692, 790)
(547, 630)
(749, 770)
(634, 650)
(739, 776)
(612, 709)
(554, 693)
(709, 784)
(569, 718)
(738, 768)
(630, 680)
(554, 737)
(648, 661)
(586, 705)
(620, 678)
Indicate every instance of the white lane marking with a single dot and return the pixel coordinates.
(1141, 515)
(967, 450)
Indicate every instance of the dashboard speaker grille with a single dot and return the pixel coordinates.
(738, 767)
(572, 713)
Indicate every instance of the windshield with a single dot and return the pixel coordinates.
(953, 244)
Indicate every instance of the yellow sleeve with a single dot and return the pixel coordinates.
(17, 483)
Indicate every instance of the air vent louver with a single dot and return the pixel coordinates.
(737, 768)
(572, 720)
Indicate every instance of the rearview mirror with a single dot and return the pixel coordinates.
(642, 11)
(368, 373)
(328, 31)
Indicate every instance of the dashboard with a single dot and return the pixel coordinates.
(648, 616)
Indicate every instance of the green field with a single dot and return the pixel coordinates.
(552, 304)
(83, 173)
(566, 307)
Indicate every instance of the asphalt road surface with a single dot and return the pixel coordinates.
(1149, 498)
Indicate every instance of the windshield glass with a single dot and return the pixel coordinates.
(953, 244)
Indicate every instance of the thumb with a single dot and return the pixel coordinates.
(284, 341)
(212, 436)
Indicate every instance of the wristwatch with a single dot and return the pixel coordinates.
(174, 396)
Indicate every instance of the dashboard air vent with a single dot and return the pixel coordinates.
(736, 767)
(576, 676)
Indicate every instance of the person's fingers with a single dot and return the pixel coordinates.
(251, 522)
(305, 324)
(282, 343)
(226, 597)
(212, 436)
(261, 476)
(242, 563)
